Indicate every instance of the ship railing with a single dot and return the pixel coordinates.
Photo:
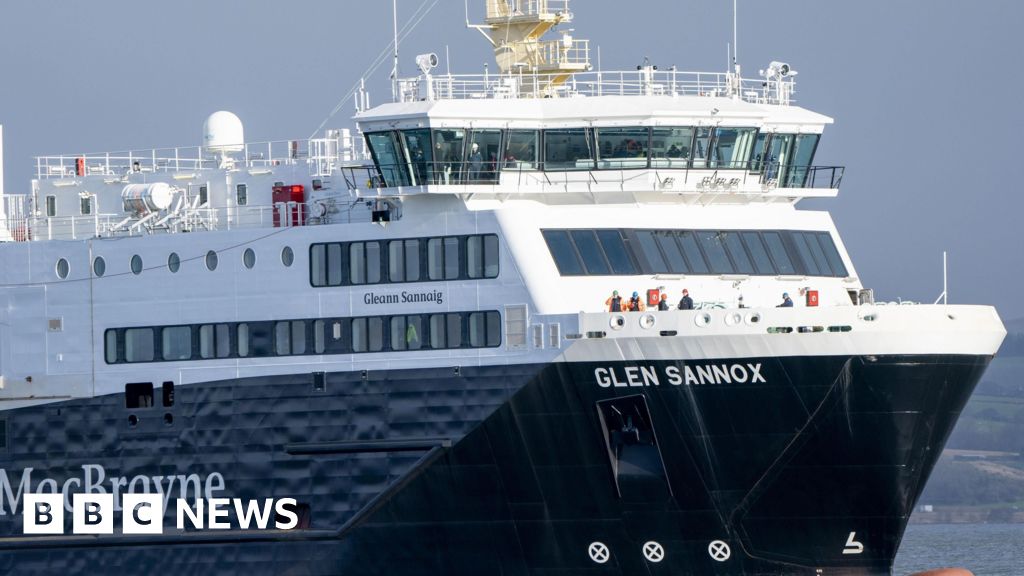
(624, 174)
(647, 81)
(280, 215)
(322, 155)
(502, 9)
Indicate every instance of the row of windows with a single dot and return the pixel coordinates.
(408, 260)
(759, 253)
(135, 264)
(441, 331)
(454, 156)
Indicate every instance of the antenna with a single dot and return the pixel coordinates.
(394, 70)
(735, 33)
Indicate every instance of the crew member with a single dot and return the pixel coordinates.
(686, 303)
(614, 303)
(786, 301)
(663, 303)
(635, 303)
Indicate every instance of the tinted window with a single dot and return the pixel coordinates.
(357, 263)
(832, 254)
(138, 345)
(110, 344)
(714, 248)
(387, 155)
(437, 331)
(762, 261)
(810, 238)
(649, 247)
(334, 266)
(417, 145)
(615, 250)
(622, 148)
(810, 264)
(688, 240)
(521, 151)
(778, 253)
(563, 252)
(733, 147)
(451, 258)
(701, 144)
(482, 156)
(590, 251)
(674, 257)
(453, 323)
(448, 145)
(739, 255)
(318, 264)
(568, 150)
(670, 147)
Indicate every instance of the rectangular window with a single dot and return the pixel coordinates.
(521, 152)
(832, 254)
(804, 252)
(777, 250)
(670, 147)
(590, 250)
(622, 148)
(655, 262)
(243, 340)
(396, 261)
(733, 148)
(282, 338)
(737, 253)
(810, 238)
(417, 145)
(701, 146)
(207, 343)
(204, 195)
(563, 252)
(110, 346)
(334, 265)
(616, 252)
(398, 328)
(139, 345)
(437, 331)
(803, 156)
(448, 148)
(515, 326)
(359, 340)
(298, 337)
(688, 240)
(454, 330)
(86, 205)
(261, 339)
(482, 256)
(357, 263)
(318, 265)
(389, 158)
(762, 262)
(713, 245)
(242, 194)
(51, 206)
(138, 395)
(566, 150)
(484, 329)
(168, 394)
(482, 156)
(223, 337)
(451, 258)
(673, 255)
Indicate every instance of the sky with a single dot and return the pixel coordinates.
(925, 94)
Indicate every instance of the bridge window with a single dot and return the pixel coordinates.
(564, 253)
(762, 262)
(713, 245)
(670, 147)
(615, 250)
(591, 252)
(448, 148)
(783, 263)
(482, 156)
(566, 150)
(803, 155)
(521, 153)
(673, 255)
(688, 240)
(417, 145)
(701, 147)
(386, 153)
(737, 253)
(732, 148)
(622, 148)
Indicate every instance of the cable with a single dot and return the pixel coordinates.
(407, 29)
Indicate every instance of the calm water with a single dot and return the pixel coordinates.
(985, 549)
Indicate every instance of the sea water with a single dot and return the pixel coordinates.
(985, 549)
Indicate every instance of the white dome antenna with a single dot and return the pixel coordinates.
(223, 134)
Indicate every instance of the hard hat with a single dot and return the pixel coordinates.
(785, 294)
(635, 294)
(615, 292)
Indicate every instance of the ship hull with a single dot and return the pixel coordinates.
(747, 466)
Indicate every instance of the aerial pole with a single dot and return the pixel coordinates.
(394, 69)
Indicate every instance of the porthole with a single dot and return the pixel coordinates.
(173, 263)
(136, 265)
(63, 268)
(287, 256)
(733, 319)
(249, 258)
(647, 321)
(99, 267)
(211, 260)
(753, 318)
(702, 319)
(617, 321)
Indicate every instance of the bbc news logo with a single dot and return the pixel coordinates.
(43, 514)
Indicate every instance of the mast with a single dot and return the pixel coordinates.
(516, 29)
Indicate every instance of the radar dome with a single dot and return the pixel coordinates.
(222, 132)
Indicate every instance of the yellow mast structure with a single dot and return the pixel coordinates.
(516, 29)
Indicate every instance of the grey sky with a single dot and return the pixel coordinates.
(926, 97)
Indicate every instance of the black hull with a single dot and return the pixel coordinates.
(517, 470)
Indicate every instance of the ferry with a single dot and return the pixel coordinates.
(453, 338)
